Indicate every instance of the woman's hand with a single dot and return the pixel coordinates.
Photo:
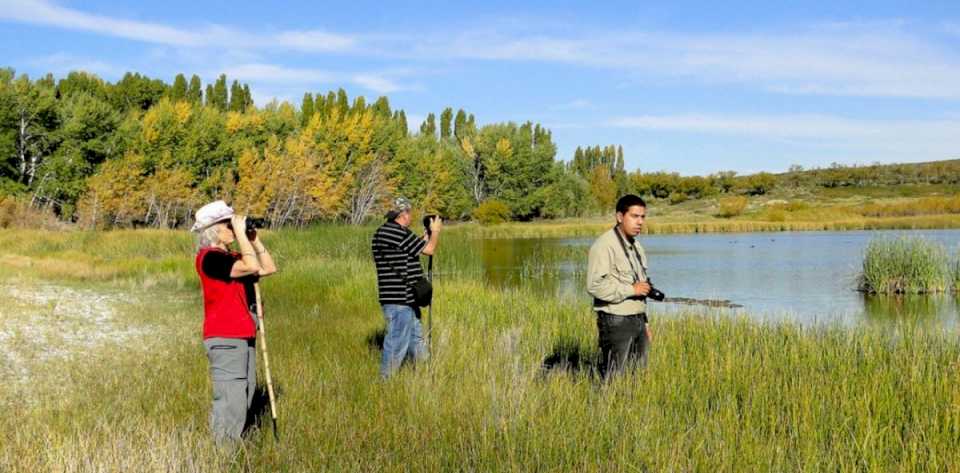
(239, 224)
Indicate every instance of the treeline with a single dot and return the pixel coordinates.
(141, 152)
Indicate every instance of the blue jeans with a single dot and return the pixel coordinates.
(403, 340)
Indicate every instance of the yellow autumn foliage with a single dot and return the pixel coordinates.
(310, 175)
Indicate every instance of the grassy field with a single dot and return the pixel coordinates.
(719, 395)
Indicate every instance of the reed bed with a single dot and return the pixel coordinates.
(905, 265)
(510, 386)
(592, 228)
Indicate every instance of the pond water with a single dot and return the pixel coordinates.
(807, 277)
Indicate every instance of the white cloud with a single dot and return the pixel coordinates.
(63, 63)
(376, 83)
(951, 27)
(869, 59)
(273, 74)
(578, 104)
(843, 138)
(45, 13)
(796, 126)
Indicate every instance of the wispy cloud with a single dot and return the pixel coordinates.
(904, 138)
(63, 63)
(878, 59)
(41, 12)
(869, 59)
(272, 74)
(377, 84)
(950, 27)
(578, 104)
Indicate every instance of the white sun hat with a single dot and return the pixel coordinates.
(210, 214)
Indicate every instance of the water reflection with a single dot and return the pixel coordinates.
(808, 277)
(903, 307)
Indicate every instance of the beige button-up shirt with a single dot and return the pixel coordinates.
(610, 275)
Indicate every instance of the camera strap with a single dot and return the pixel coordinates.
(623, 244)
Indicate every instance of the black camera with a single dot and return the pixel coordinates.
(426, 221)
(655, 293)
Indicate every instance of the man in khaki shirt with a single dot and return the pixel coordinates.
(617, 280)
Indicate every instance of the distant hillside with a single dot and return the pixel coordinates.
(932, 172)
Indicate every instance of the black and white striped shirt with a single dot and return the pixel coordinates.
(396, 253)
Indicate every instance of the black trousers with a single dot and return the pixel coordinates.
(623, 342)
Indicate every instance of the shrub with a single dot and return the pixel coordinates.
(491, 212)
(776, 214)
(910, 265)
(18, 213)
(732, 206)
(797, 206)
(925, 206)
(678, 197)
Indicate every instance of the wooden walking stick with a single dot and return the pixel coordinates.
(266, 360)
(430, 307)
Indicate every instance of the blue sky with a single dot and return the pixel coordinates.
(693, 87)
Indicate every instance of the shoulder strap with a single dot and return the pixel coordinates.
(626, 254)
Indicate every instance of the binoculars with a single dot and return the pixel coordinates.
(253, 223)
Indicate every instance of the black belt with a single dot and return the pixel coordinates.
(641, 315)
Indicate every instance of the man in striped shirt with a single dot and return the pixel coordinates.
(396, 254)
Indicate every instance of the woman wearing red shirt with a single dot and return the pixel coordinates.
(229, 304)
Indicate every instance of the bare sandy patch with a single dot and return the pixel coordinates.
(43, 324)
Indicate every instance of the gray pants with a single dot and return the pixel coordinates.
(623, 341)
(233, 370)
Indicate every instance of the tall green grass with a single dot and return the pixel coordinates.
(905, 265)
(720, 394)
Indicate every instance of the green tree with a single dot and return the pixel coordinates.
(78, 82)
(237, 101)
(760, 183)
(31, 120)
(343, 102)
(195, 90)
(460, 125)
(429, 126)
(306, 108)
(401, 119)
(136, 92)
(359, 104)
(382, 107)
(87, 137)
(219, 97)
(179, 89)
(568, 196)
(208, 96)
(247, 98)
(445, 119)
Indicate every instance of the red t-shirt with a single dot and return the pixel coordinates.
(226, 311)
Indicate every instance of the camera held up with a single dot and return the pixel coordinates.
(426, 221)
